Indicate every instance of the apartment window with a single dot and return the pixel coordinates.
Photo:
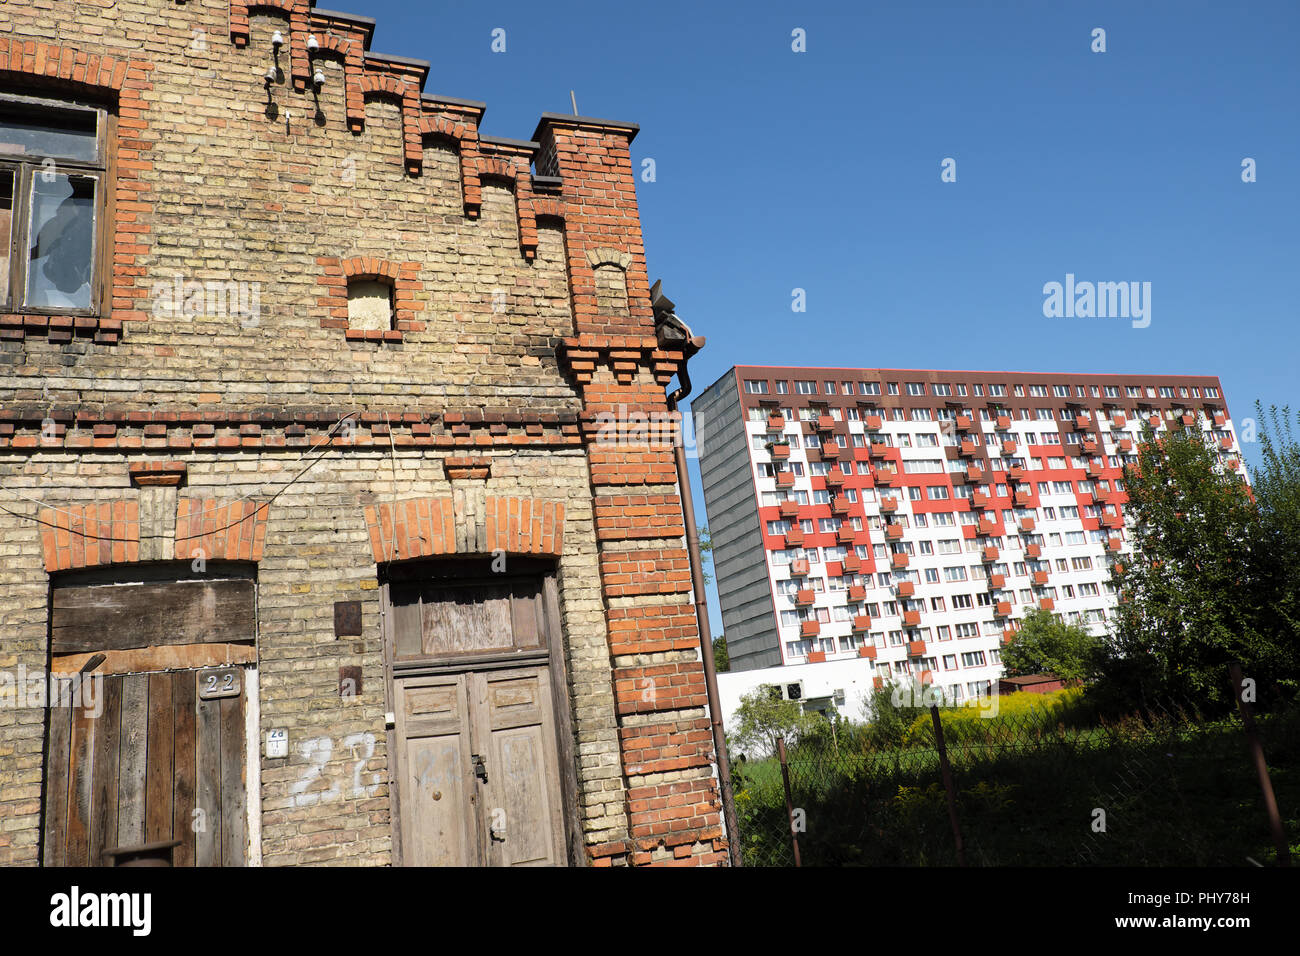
(893, 388)
(972, 659)
(868, 388)
(782, 388)
(830, 387)
(805, 388)
(915, 388)
(52, 174)
(755, 386)
(1211, 392)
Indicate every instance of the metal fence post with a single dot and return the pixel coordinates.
(948, 785)
(1261, 769)
(789, 804)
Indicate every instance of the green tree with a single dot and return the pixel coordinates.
(1188, 597)
(721, 659)
(1045, 644)
(706, 553)
(763, 716)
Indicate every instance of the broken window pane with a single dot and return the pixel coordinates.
(6, 228)
(61, 240)
(47, 133)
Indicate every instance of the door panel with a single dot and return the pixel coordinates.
(438, 804)
(522, 790)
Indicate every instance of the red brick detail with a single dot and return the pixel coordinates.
(85, 536)
(525, 526)
(621, 517)
(467, 466)
(461, 129)
(673, 814)
(404, 277)
(512, 168)
(652, 629)
(645, 571)
(659, 687)
(146, 473)
(594, 162)
(402, 83)
(220, 531)
(350, 49)
(660, 748)
(32, 63)
(426, 527)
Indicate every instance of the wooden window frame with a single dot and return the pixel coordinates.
(25, 169)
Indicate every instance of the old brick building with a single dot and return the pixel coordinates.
(305, 389)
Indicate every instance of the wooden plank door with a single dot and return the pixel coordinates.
(440, 813)
(521, 794)
(135, 765)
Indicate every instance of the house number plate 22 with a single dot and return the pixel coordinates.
(219, 683)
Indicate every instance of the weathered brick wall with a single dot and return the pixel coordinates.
(495, 281)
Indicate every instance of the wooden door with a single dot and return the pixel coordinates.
(147, 758)
(476, 726)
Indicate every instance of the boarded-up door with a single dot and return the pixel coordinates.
(475, 741)
(157, 763)
(152, 746)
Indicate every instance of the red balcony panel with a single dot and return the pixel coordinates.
(835, 478)
(862, 623)
(785, 479)
(974, 473)
(1004, 608)
(916, 648)
(780, 452)
(990, 553)
(1119, 419)
(1024, 499)
(1026, 524)
(894, 532)
(1016, 472)
(986, 526)
(794, 537)
(899, 560)
(1082, 421)
(1189, 419)
(913, 619)
(1154, 421)
(1226, 443)
(1220, 419)
(1114, 544)
(886, 477)
(1126, 444)
(799, 567)
(1008, 447)
(825, 423)
(926, 677)
(816, 657)
(868, 651)
(810, 628)
(1004, 421)
(847, 535)
(1090, 447)
(776, 423)
(888, 505)
(1094, 469)
(905, 589)
(1033, 551)
(878, 449)
(1008, 635)
(964, 422)
(872, 422)
(969, 448)
(789, 509)
(852, 563)
(1114, 522)
(834, 569)
(1040, 577)
(1047, 604)
(857, 592)
(980, 500)
(998, 580)
(841, 506)
(804, 596)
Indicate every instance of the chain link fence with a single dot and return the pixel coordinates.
(1172, 787)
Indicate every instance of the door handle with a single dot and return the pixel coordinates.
(480, 768)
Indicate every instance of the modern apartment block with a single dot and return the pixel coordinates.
(912, 517)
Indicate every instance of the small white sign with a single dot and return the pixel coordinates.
(277, 744)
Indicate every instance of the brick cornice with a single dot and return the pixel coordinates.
(433, 527)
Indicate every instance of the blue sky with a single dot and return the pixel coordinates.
(820, 170)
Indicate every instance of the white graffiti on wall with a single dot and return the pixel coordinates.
(318, 752)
